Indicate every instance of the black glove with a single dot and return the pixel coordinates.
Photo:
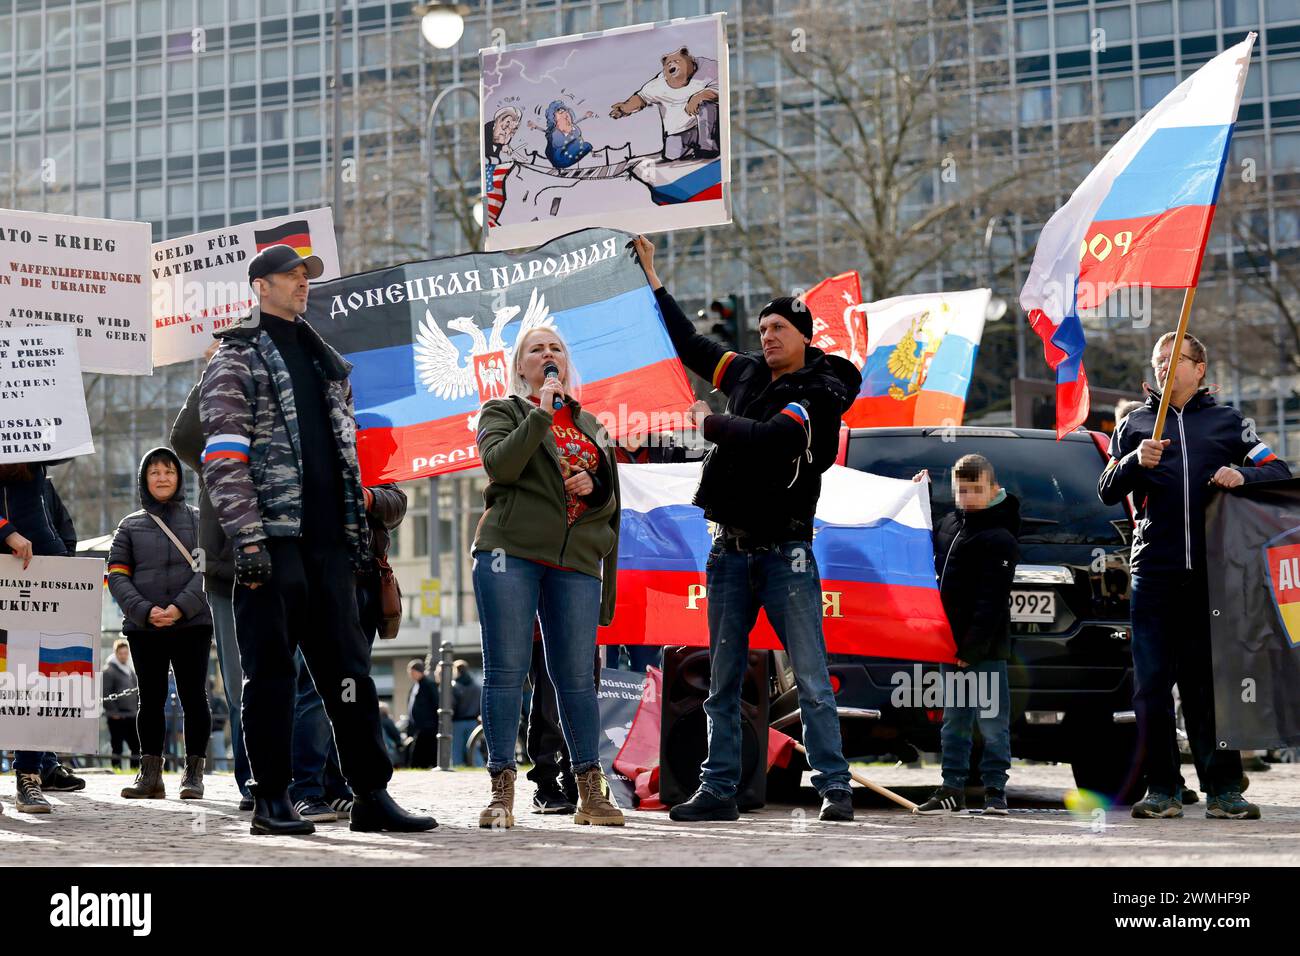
(253, 567)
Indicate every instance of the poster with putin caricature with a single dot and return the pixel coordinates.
(628, 129)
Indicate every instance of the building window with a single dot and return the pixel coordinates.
(1071, 29)
(1075, 99)
(90, 93)
(119, 21)
(119, 146)
(148, 16)
(1117, 95)
(275, 63)
(1284, 76)
(374, 50)
(307, 184)
(275, 189)
(180, 136)
(1195, 15)
(1155, 87)
(90, 157)
(1115, 24)
(243, 129)
(1240, 13)
(180, 13)
(243, 9)
(1031, 34)
(212, 195)
(149, 205)
(212, 71)
(119, 84)
(1286, 151)
(306, 121)
(306, 58)
(180, 198)
(243, 67)
(148, 141)
(121, 204)
(148, 80)
(180, 76)
(212, 133)
(243, 191)
(1035, 104)
(1155, 19)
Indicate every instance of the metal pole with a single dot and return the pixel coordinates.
(337, 146)
(1021, 319)
(445, 706)
(430, 200)
(438, 649)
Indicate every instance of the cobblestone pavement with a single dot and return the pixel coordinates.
(97, 827)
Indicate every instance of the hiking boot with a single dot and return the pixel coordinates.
(1157, 806)
(943, 800)
(549, 798)
(1230, 805)
(192, 782)
(148, 782)
(29, 798)
(702, 806)
(59, 779)
(594, 805)
(500, 812)
(995, 802)
(837, 806)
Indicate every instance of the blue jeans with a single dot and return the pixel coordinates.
(960, 715)
(568, 604)
(232, 679)
(34, 761)
(785, 583)
(639, 657)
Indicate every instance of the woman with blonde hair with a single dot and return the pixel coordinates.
(545, 549)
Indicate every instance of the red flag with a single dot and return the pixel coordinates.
(638, 759)
(839, 325)
(780, 748)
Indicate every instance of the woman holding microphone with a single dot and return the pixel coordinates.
(545, 549)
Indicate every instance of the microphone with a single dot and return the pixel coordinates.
(553, 371)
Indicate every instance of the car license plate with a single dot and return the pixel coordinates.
(1033, 607)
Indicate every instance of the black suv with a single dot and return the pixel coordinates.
(1071, 672)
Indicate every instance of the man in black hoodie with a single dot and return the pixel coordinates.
(975, 558)
(760, 485)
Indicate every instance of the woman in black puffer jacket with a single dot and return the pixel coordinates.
(165, 619)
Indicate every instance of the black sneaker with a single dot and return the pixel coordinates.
(550, 798)
(29, 798)
(704, 806)
(1189, 796)
(837, 806)
(246, 804)
(59, 779)
(943, 800)
(342, 807)
(569, 784)
(995, 802)
(317, 811)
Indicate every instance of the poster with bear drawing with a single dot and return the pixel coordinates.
(628, 129)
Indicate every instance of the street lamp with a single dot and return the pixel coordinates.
(441, 23)
(1015, 264)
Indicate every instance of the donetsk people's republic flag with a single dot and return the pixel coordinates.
(1141, 217)
(871, 542)
(431, 341)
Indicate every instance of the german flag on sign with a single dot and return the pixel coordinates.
(293, 233)
(4, 651)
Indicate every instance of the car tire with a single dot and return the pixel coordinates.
(1105, 761)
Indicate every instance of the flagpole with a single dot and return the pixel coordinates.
(1176, 348)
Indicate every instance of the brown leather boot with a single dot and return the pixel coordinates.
(192, 782)
(594, 805)
(500, 813)
(148, 782)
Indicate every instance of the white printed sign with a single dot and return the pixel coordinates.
(91, 275)
(200, 282)
(42, 401)
(50, 681)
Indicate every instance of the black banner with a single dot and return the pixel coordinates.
(1253, 543)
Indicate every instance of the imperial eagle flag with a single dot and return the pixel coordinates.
(431, 341)
(872, 548)
(1141, 217)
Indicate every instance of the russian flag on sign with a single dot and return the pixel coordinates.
(62, 654)
(1141, 217)
(871, 543)
(431, 341)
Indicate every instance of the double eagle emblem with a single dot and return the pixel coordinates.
(451, 376)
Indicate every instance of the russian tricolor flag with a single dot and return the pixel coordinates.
(1141, 217)
(63, 654)
(871, 543)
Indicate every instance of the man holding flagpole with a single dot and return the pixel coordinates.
(1171, 481)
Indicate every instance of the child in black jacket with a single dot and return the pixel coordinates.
(975, 557)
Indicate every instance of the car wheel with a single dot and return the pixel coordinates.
(1105, 761)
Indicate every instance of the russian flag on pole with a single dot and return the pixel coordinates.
(431, 341)
(920, 354)
(62, 654)
(1141, 217)
(871, 543)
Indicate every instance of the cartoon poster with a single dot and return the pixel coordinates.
(628, 128)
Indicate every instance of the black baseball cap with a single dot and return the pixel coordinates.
(282, 258)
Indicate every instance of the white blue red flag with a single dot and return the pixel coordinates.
(1141, 217)
(872, 547)
(431, 341)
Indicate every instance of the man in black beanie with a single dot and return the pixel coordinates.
(760, 485)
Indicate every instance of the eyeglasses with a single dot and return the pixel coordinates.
(1162, 366)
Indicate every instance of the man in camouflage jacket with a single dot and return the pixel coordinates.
(280, 465)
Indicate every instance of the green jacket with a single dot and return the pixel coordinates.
(525, 515)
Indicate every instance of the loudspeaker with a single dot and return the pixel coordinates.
(683, 726)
